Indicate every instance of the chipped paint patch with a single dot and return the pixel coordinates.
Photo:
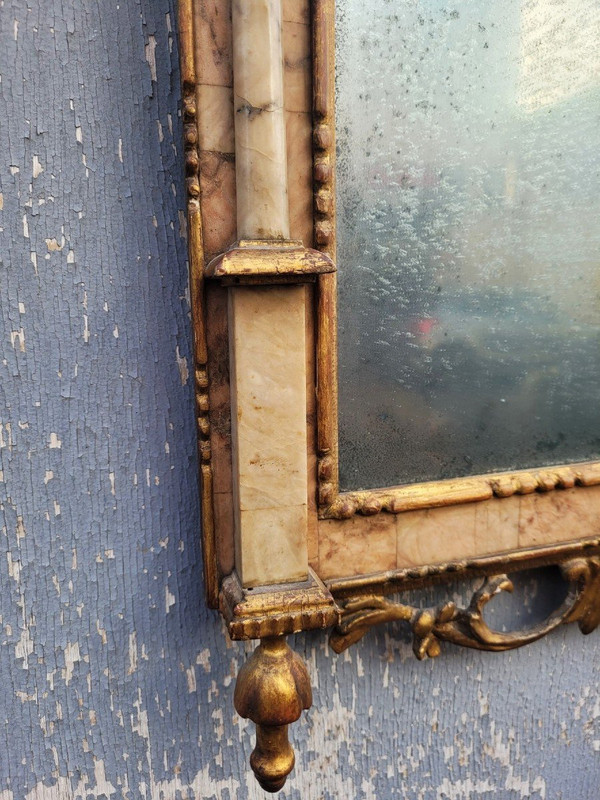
(37, 168)
(54, 442)
(72, 656)
(182, 364)
(150, 50)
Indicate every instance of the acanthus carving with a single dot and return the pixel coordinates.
(466, 626)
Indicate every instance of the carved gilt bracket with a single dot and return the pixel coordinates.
(466, 627)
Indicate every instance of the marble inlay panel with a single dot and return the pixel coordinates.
(311, 430)
(560, 515)
(296, 11)
(299, 149)
(358, 545)
(296, 76)
(213, 54)
(223, 516)
(215, 118)
(436, 535)
(496, 525)
(217, 182)
(268, 390)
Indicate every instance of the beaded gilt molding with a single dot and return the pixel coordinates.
(332, 503)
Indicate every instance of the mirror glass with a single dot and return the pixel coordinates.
(468, 225)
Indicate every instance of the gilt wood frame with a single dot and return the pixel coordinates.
(276, 611)
(350, 549)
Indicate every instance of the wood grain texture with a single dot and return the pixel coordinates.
(117, 681)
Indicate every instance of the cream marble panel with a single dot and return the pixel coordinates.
(448, 534)
(278, 546)
(356, 546)
(436, 535)
(496, 525)
(223, 517)
(213, 55)
(300, 187)
(261, 162)
(217, 182)
(559, 516)
(268, 360)
(269, 441)
(215, 118)
(296, 11)
(311, 432)
(297, 74)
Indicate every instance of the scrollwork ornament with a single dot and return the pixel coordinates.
(466, 626)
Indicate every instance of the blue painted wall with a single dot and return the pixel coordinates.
(116, 681)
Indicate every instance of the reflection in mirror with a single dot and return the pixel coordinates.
(468, 202)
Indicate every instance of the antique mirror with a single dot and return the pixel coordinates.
(393, 238)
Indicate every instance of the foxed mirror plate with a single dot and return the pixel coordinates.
(468, 208)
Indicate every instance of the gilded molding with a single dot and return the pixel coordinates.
(269, 262)
(436, 494)
(196, 264)
(324, 240)
(331, 503)
(276, 610)
(466, 627)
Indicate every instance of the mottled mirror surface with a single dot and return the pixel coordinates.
(468, 151)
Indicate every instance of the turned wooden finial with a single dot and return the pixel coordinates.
(272, 690)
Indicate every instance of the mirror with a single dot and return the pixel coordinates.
(466, 213)
(468, 155)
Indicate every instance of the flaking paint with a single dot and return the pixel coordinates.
(116, 681)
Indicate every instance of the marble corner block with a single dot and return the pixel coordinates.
(260, 146)
(269, 433)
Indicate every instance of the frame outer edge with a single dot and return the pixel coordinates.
(196, 264)
(324, 239)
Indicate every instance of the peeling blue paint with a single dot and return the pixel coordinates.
(117, 682)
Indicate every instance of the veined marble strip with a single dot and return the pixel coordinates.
(268, 415)
(260, 147)
(266, 324)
